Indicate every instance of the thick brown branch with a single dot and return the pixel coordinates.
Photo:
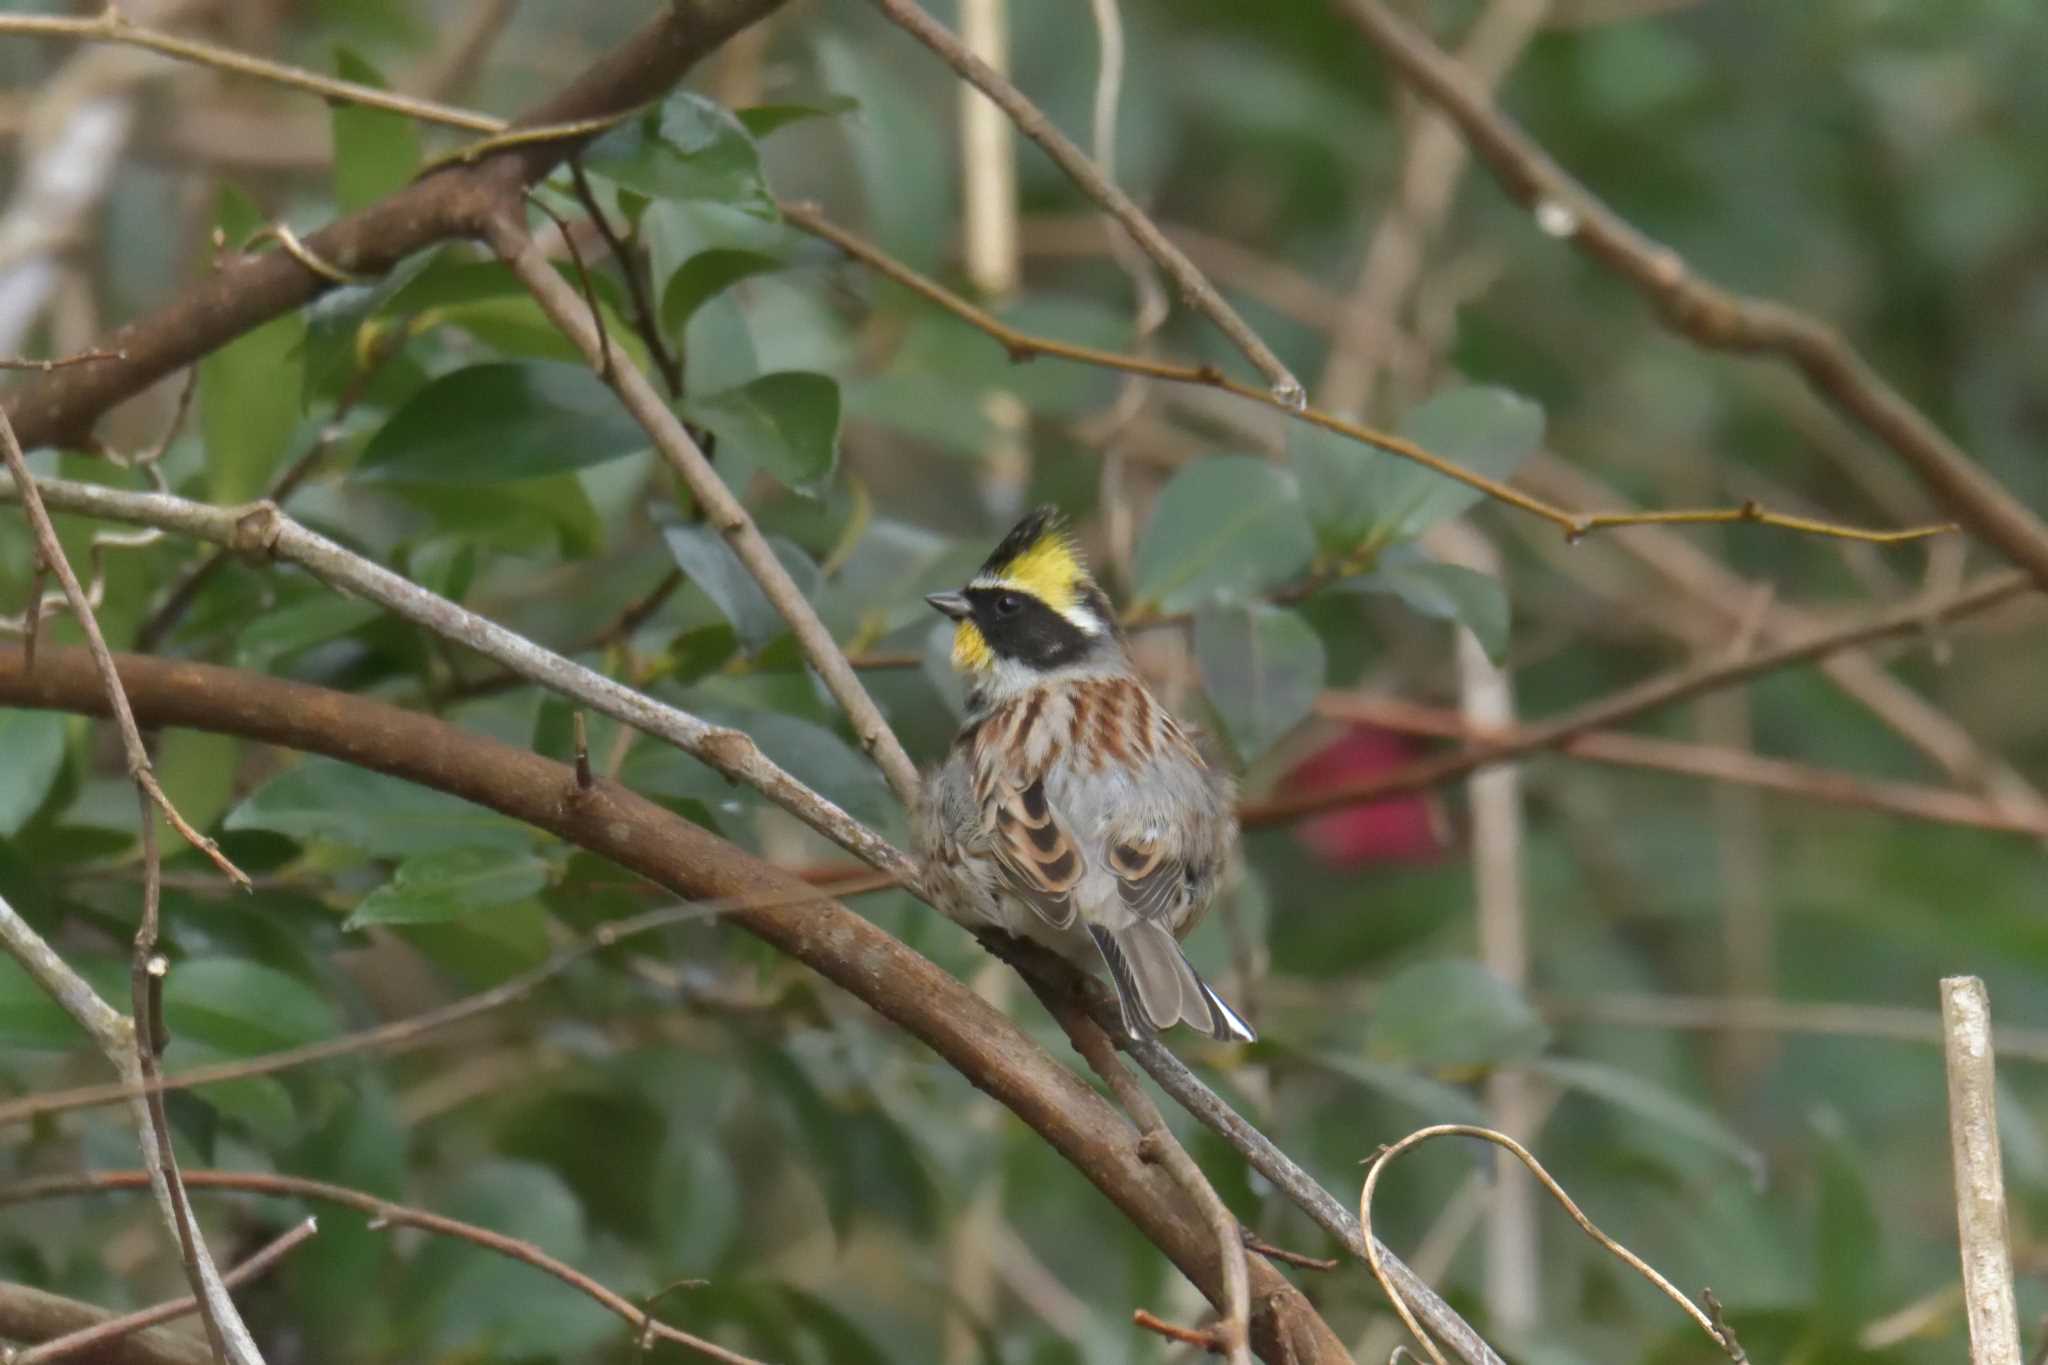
(970, 1035)
(1697, 308)
(61, 407)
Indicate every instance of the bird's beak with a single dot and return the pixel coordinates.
(950, 604)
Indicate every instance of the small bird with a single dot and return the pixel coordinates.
(1072, 808)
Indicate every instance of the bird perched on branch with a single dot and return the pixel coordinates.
(1073, 808)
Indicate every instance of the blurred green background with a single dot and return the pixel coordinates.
(1726, 1037)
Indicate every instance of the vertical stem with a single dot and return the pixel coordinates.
(1487, 698)
(1980, 1179)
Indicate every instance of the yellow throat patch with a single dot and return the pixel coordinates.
(1049, 568)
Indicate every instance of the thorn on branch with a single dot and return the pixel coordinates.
(1204, 1338)
(1254, 1243)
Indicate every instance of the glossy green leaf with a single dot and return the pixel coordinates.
(1443, 592)
(1262, 668)
(1226, 529)
(706, 274)
(1848, 1267)
(689, 147)
(248, 398)
(502, 421)
(374, 815)
(33, 745)
(1361, 498)
(431, 887)
(1453, 1017)
(709, 562)
(315, 618)
(764, 119)
(785, 423)
(30, 1018)
(1651, 1102)
(243, 1007)
(375, 152)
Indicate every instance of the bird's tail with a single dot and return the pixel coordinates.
(1158, 987)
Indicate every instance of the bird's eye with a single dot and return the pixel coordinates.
(1009, 604)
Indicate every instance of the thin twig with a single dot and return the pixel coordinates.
(45, 364)
(225, 1330)
(109, 26)
(383, 1211)
(1696, 308)
(1031, 121)
(646, 317)
(509, 238)
(1283, 1255)
(1157, 1144)
(1202, 1338)
(1677, 685)
(261, 529)
(1575, 525)
(1713, 763)
(1556, 1191)
(1979, 1172)
(128, 1324)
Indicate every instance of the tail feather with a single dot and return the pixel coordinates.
(1158, 987)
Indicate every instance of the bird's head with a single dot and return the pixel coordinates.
(1032, 605)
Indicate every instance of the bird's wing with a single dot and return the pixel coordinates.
(1039, 858)
(1152, 879)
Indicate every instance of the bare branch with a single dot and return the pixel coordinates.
(396, 1215)
(1031, 121)
(1721, 1338)
(1678, 685)
(261, 529)
(248, 290)
(508, 236)
(224, 1327)
(1713, 763)
(1696, 308)
(975, 1039)
(1575, 525)
(1979, 1173)
(99, 1335)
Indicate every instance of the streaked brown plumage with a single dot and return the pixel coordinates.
(1073, 808)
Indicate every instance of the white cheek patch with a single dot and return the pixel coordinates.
(1077, 616)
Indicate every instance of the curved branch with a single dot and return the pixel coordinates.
(60, 408)
(970, 1035)
(1699, 309)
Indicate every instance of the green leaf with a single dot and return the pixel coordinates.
(29, 1018)
(314, 619)
(711, 565)
(503, 421)
(1453, 1017)
(1361, 499)
(703, 275)
(687, 148)
(432, 887)
(375, 815)
(1444, 592)
(249, 395)
(375, 152)
(786, 423)
(243, 1007)
(1224, 529)
(1262, 667)
(1651, 1102)
(33, 742)
(1848, 1255)
(764, 119)
(1432, 1100)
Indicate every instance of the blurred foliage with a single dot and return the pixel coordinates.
(692, 1107)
